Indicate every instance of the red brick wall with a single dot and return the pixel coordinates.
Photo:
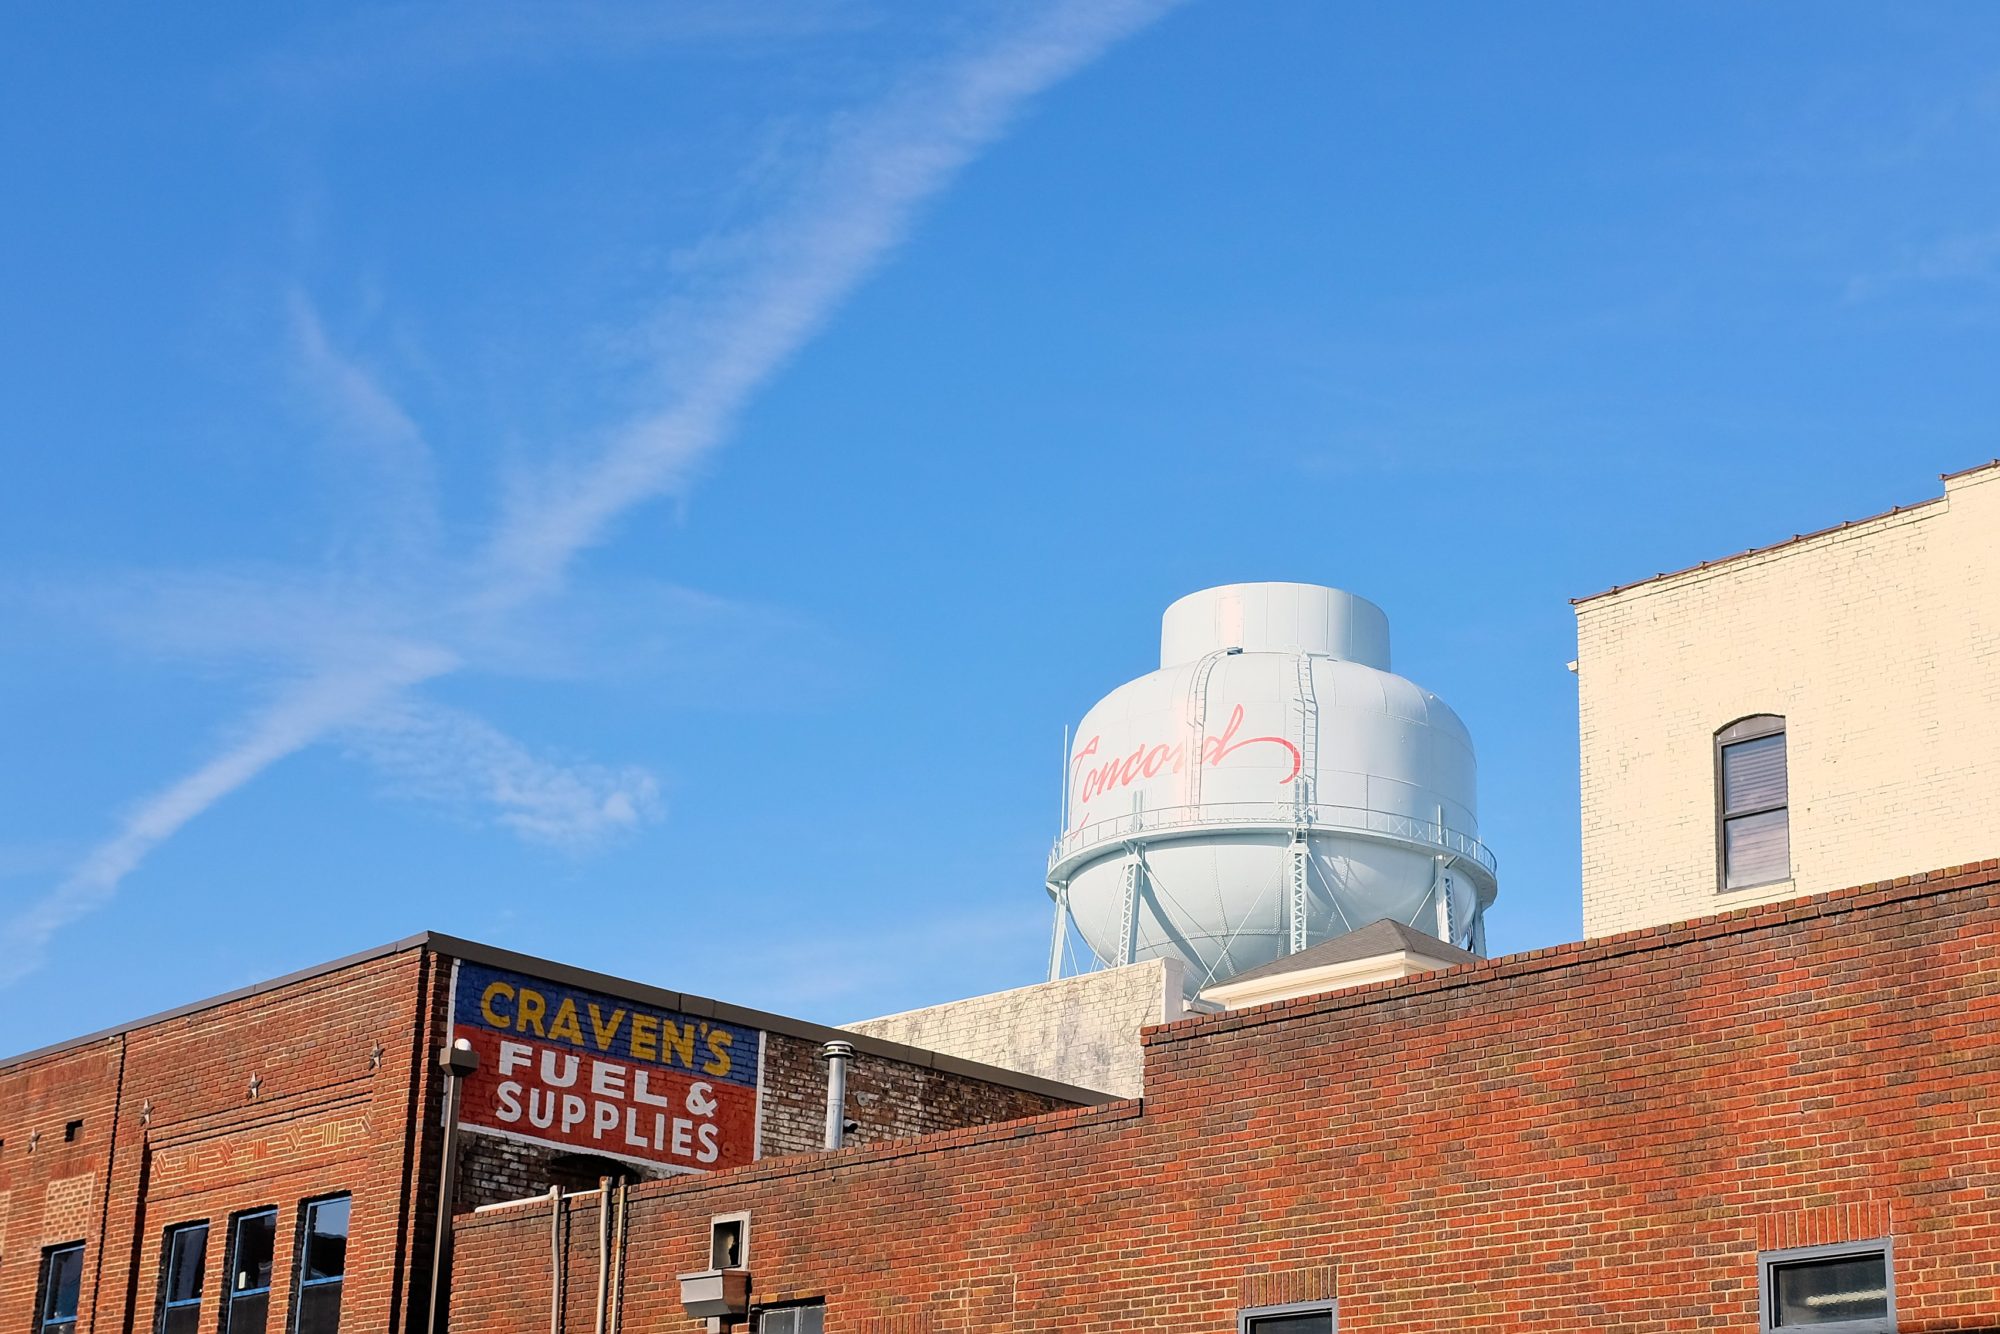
(52, 1190)
(174, 1133)
(346, 1099)
(1600, 1136)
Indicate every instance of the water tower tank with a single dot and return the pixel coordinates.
(1271, 785)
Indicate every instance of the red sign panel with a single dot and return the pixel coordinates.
(576, 1069)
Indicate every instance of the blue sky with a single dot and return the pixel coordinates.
(648, 485)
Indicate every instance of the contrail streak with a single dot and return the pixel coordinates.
(868, 195)
(862, 202)
(296, 719)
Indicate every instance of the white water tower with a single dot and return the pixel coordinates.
(1273, 784)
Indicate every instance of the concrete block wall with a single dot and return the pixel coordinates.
(1079, 1030)
(1879, 644)
(1598, 1136)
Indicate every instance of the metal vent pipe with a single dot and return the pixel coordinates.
(836, 1054)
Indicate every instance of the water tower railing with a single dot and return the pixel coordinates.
(1276, 816)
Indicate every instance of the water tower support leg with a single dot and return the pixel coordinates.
(1295, 898)
(1478, 945)
(1061, 930)
(1128, 915)
(1441, 892)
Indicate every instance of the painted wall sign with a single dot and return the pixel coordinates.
(576, 1069)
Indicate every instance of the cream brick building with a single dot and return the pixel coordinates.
(1871, 649)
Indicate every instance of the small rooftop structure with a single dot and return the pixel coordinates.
(1378, 952)
(1081, 1030)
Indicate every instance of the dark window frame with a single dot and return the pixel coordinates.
(46, 1290)
(1246, 1319)
(1751, 727)
(717, 1225)
(811, 1303)
(1767, 1288)
(302, 1282)
(230, 1293)
(166, 1302)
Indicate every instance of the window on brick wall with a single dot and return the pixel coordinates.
(729, 1241)
(322, 1266)
(183, 1259)
(1305, 1318)
(62, 1285)
(253, 1239)
(1753, 819)
(1847, 1289)
(798, 1318)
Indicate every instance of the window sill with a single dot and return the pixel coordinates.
(1768, 892)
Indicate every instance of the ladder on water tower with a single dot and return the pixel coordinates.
(1297, 895)
(1307, 704)
(1197, 719)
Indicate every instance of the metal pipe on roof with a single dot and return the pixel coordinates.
(558, 1269)
(837, 1054)
(603, 1250)
(617, 1266)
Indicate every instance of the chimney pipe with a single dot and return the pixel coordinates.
(836, 1054)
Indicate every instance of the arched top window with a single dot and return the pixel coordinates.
(1753, 837)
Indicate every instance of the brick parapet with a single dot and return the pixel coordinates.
(1849, 528)
(1755, 917)
(1599, 1136)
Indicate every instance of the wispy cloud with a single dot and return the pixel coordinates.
(780, 283)
(380, 454)
(443, 755)
(796, 270)
(419, 43)
(300, 715)
(1966, 258)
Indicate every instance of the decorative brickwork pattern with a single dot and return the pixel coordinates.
(1317, 1283)
(896, 1324)
(1825, 1226)
(227, 1156)
(66, 1207)
(1597, 1137)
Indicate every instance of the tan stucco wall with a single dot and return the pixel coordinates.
(1080, 1030)
(1879, 643)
